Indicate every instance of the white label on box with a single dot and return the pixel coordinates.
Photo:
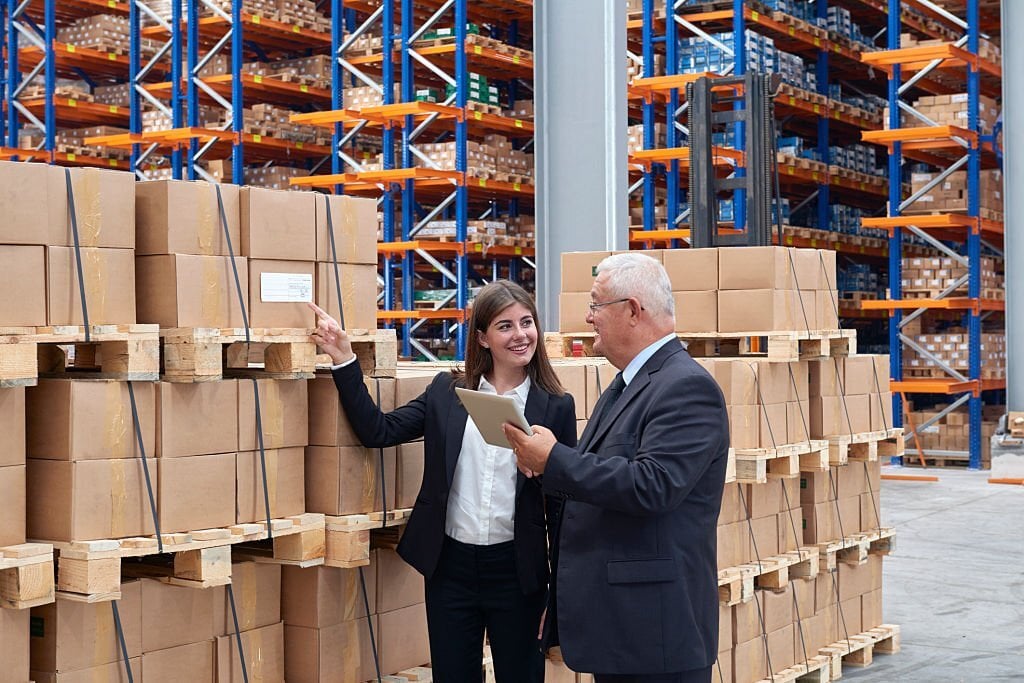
(282, 288)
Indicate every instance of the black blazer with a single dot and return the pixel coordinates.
(440, 419)
(635, 577)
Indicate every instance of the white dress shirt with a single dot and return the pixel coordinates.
(639, 359)
(482, 500)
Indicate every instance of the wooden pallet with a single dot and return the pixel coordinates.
(865, 446)
(348, 536)
(855, 548)
(208, 354)
(123, 352)
(859, 650)
(957, 462)
(783, 347)
(376, 350)
(90, 571)
(816, 669)
(737, 584)
(417, 674)
(26, 575)
(757, 465)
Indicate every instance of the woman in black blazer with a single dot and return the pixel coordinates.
(477, 532)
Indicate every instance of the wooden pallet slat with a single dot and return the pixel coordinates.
(348, 536)
(26, 575)
(757, 465)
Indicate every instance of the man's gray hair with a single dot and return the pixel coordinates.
(635, 274)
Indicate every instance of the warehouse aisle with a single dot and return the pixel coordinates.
(955, 583)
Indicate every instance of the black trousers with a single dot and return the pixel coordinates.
(475, 589)
(692, 676)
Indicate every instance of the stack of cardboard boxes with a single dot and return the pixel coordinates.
(936, 274)
(953, 349)
(950, 433)
(14, 624)
(951, 194)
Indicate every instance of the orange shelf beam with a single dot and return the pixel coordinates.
(424, 314)
(945, 386)
(924, 137)
(65, 159)
(455, 248)
(723, 155)
(395, 114)
(954, 224)
(266, 32)
(74, 111)
(261, 88)
(912, 59)
(951, 303)
(395, 175)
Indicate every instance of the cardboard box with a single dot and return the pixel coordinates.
(857, 580)
(409, 473)
(14, 643)
(748, 660)
(340, 653)
(839, 416)
(109, 673)
(403, 638)
(358, 294)
(285, 484)
(763, 537)
(744, 426)
(398, 584)
(858, 374)
(109, 283)
(871, 609)
(257, 588)
(732, 509)
(184, 217)
(738, 381)
(69, 635)
(807, 271)
(819, 523)
(12, 493)
(817, 487)
(410, 384)
(284, 408)
(355, 229)
(755, 268)
(881, 411)
(773, 426)
(579, 270)
(791, 535)
(196, 419)
(278, 224)
(264, 654)
(599, 376)
(196, 492)
(824, 377)
(692, 270)
(573, 377)
(346, 480)
(192, 662)
(798, 421)
(318, 597)
(328, 424)
(176, 615)
(104, 203)
(733, 544)
(572, 312)
(180, 290)
(847, 516)
(23, 190)
(724, 628)
(696, 311)
(23, 281)
(279, 292)
(827, 310)
(75, 420)
(757, 310)
(89, 500)
(12, 426)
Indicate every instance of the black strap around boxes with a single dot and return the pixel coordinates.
(764, 407)
(757, 557)
(78, 251)
(831, 291)
(145, 468)
(248, 339)
(238, 634)
(803, 417)
(799, 295)
(334, 260)
(383, 479)
(800, 553)
(121, 641)
(369, 625)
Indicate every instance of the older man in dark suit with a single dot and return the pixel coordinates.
(634, 596)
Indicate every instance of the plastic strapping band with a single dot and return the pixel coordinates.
(263, 454)
(383, 479)
(874, 501)
(842, 398)
(799, 296)
(78, 252)
(120, 637)
(757, 556)
(234, 266)
(834, 485)
(835, 302)
(800, 553)
(334, 261)
(764, 408)
(145, 467)
(803, 418)
(839, 607)
(369, 625)
(238, 635)
(881, 403)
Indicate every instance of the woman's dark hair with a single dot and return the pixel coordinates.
(491, 300)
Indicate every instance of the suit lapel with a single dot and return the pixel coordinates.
(536, 408)
(453, 435)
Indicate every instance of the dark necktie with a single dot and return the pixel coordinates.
(610, 396)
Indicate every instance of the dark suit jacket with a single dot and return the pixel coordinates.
(440, 419)
(636, 580)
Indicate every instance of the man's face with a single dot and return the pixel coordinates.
(609, 320)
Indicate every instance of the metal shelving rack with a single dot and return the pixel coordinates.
(411, 195)
(958, 236)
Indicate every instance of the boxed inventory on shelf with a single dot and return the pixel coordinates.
(952, 194)
(940, 273)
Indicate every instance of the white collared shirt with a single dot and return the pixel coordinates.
(639, 359)
(482, 500)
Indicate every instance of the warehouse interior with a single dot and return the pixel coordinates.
(828, 185)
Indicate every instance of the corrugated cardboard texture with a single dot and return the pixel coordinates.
(696, 311)
(692, 270)
(264, 655)
(403, 638)
(193, 662)
(183, 217)
(572, 312)
(12, 493)
(174, 615)
(257, 589)
(23, 282)
(109, 283)
(104, 205)
(318, 597)
(346, 480)
(108, 673)
(341, 653)
(279, 314)
(196, 419)
(278, 224)
(578, 269)
(754, 268)
(75, 420)
(196, 492)
(12, 426)
(409, 473)
(284, 408)
(14, 643)
(328, 424)
(23, 190)
(355, 229)
(285, 484)
(358, 294)
(398, 584)
(190, 291)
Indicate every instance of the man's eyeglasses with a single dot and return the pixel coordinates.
(594, 305)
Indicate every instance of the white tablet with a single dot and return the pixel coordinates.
(490, 412)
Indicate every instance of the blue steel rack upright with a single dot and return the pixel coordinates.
(927, 144)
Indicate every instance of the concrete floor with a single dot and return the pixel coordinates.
(955, 584)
